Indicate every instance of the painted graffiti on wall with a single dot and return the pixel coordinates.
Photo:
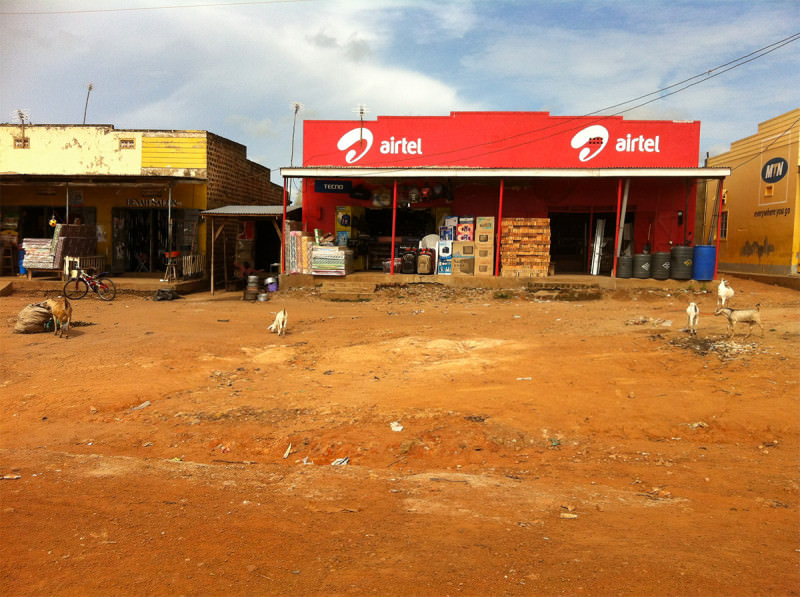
(755, 248)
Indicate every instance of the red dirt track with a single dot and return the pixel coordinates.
(548, 447)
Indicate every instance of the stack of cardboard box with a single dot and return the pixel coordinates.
(525, 247)
(464, 247)
(484, 246)
(447, 232)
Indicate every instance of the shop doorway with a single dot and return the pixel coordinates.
(140, 238)
(574, 235)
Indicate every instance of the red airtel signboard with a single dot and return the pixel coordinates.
(501, 140)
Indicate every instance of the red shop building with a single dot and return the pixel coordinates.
(602, 187)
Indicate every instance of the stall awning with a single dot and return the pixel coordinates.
(350, 172)
(249, 211)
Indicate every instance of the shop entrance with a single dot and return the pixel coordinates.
(140, 238)
(572, 236)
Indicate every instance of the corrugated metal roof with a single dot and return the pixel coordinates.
(233, 211)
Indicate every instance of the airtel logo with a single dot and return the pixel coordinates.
(591, 138)
(361, 136)
(362, 139)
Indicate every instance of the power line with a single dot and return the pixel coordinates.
(702, 77)
(775, 140)
(142, 8)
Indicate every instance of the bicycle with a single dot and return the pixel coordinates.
(77, 287)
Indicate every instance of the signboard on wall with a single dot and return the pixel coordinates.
(502, 140)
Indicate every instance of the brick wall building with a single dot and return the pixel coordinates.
(126, 183)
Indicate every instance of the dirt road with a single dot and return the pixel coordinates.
(494, 443)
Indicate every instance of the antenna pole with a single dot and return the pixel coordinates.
(86, 106)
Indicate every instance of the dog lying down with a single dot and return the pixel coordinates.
(279, 325)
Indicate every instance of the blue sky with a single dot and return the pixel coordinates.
(235, 67)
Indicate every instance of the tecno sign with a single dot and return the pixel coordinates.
(357, 142)
(593, 139)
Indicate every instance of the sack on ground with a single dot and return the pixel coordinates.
(33, 319)
(165, 294)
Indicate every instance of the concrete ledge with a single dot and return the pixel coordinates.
(791, 281)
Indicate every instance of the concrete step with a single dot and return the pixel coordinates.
(347, 290)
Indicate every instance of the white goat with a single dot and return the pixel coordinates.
(724, 293)
(693, 312)
(749, 316)
(279, 325)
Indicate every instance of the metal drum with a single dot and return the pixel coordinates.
(641, 265)
(624, 266)
(681, 262)
(660, 265)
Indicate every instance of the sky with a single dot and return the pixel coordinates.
(238, 68)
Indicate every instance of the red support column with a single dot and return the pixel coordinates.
(394, 226)
(719, 225)
(499, 230)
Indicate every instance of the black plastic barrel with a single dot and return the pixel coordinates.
(624, 266)
(641, 265)
(660, 265)
(681, 262)
(705, 260)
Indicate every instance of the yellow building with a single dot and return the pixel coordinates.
(127, 184)
(759, 218)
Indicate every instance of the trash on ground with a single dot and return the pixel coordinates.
(396, 426)
(341, 461)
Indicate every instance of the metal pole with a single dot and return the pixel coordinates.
(616, 232)
(213, 242)
(621, 225)
(719, 225)
(499, 230)
(283, 234)
(170, 268)
(394, 226)
(86, 107)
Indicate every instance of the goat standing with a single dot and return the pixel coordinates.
(279, 325)
(724, 293)
(693, 313)
(748, 316)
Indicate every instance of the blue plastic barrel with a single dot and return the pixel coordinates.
(22, 269)
(705, 260)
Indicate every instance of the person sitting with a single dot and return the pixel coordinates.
(246, 270)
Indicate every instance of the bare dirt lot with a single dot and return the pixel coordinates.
(495, 443)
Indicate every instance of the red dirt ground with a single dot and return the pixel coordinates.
(548, 447)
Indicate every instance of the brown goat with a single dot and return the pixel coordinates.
(61, 311)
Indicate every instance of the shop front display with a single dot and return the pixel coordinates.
(535, 193)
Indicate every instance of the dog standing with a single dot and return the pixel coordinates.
(693, 313)
(279, 325)
(61, 311)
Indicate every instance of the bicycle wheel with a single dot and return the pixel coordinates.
(106, 289)
(75, 288)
